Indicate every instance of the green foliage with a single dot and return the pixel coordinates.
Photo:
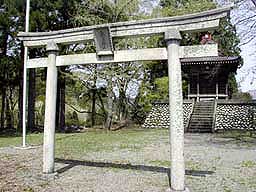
(228, 42)
(225, 35)
(181, 7)
(9, 61)
(227, 39)
(72, 119)
(153, 92)
(48, 15)
(162, 87)
(105, 11)
(248, 164)
(232, 84)
(242, 96)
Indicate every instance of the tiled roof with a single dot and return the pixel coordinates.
(211, 60)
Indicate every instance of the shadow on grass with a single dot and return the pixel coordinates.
(72, 163)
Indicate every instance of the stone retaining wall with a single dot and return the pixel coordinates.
(159, 115)
(235, 115)
(229, 115)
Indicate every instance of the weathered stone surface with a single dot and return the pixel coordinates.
(229, 115)
(172, 190)
(128, 56)
(237, 115)
(159, 115)
(176, 112)
(192, 22)
(50, 110)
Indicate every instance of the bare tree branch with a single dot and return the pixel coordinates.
(254, 2)
(245, 20)
(79, 111)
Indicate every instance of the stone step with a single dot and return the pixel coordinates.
(201, 118)
(201, 115)
(205, 102)
(196, 122)
(204, 109)
(200, 127)
(199, 110)
(207, 105)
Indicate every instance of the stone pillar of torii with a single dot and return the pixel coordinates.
(173, 38)
(170, 27)
(50, 108)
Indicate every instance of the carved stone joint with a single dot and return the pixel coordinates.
(172, 34)
(173, 190)
(52, 47)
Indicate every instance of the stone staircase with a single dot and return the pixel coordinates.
(202, 117)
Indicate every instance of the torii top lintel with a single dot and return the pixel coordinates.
(192, 22)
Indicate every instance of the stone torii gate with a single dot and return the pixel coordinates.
(170, 27)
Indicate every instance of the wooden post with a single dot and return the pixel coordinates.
(173, 38)
(197, 88)
(50, 109)
(226, 91)
(189, 89)
(217, 90)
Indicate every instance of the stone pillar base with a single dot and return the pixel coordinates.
(27, 147)
(50, 176)
(172, 190)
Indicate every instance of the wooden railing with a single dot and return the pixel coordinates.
(214, 115)
(189, 118)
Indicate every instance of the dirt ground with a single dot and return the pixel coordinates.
(213, 164)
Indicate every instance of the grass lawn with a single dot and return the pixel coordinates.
(130, 160)
(76, 144)
(10, 141)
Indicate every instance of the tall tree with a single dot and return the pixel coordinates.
(226, 37)
(10, 12)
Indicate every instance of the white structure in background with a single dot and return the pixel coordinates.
(25, 78)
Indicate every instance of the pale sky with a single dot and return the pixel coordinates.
(246, 76)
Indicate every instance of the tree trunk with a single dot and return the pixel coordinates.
(62, 102)
(58, 102)
(31, 99)
(60, 109)
(254, 2)
(108, 123)
(3, 107)
(102, 105)
(5, 38)
(93, 114)
(123, 104)
(9, 121)
(12, 104)
(94, 92)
